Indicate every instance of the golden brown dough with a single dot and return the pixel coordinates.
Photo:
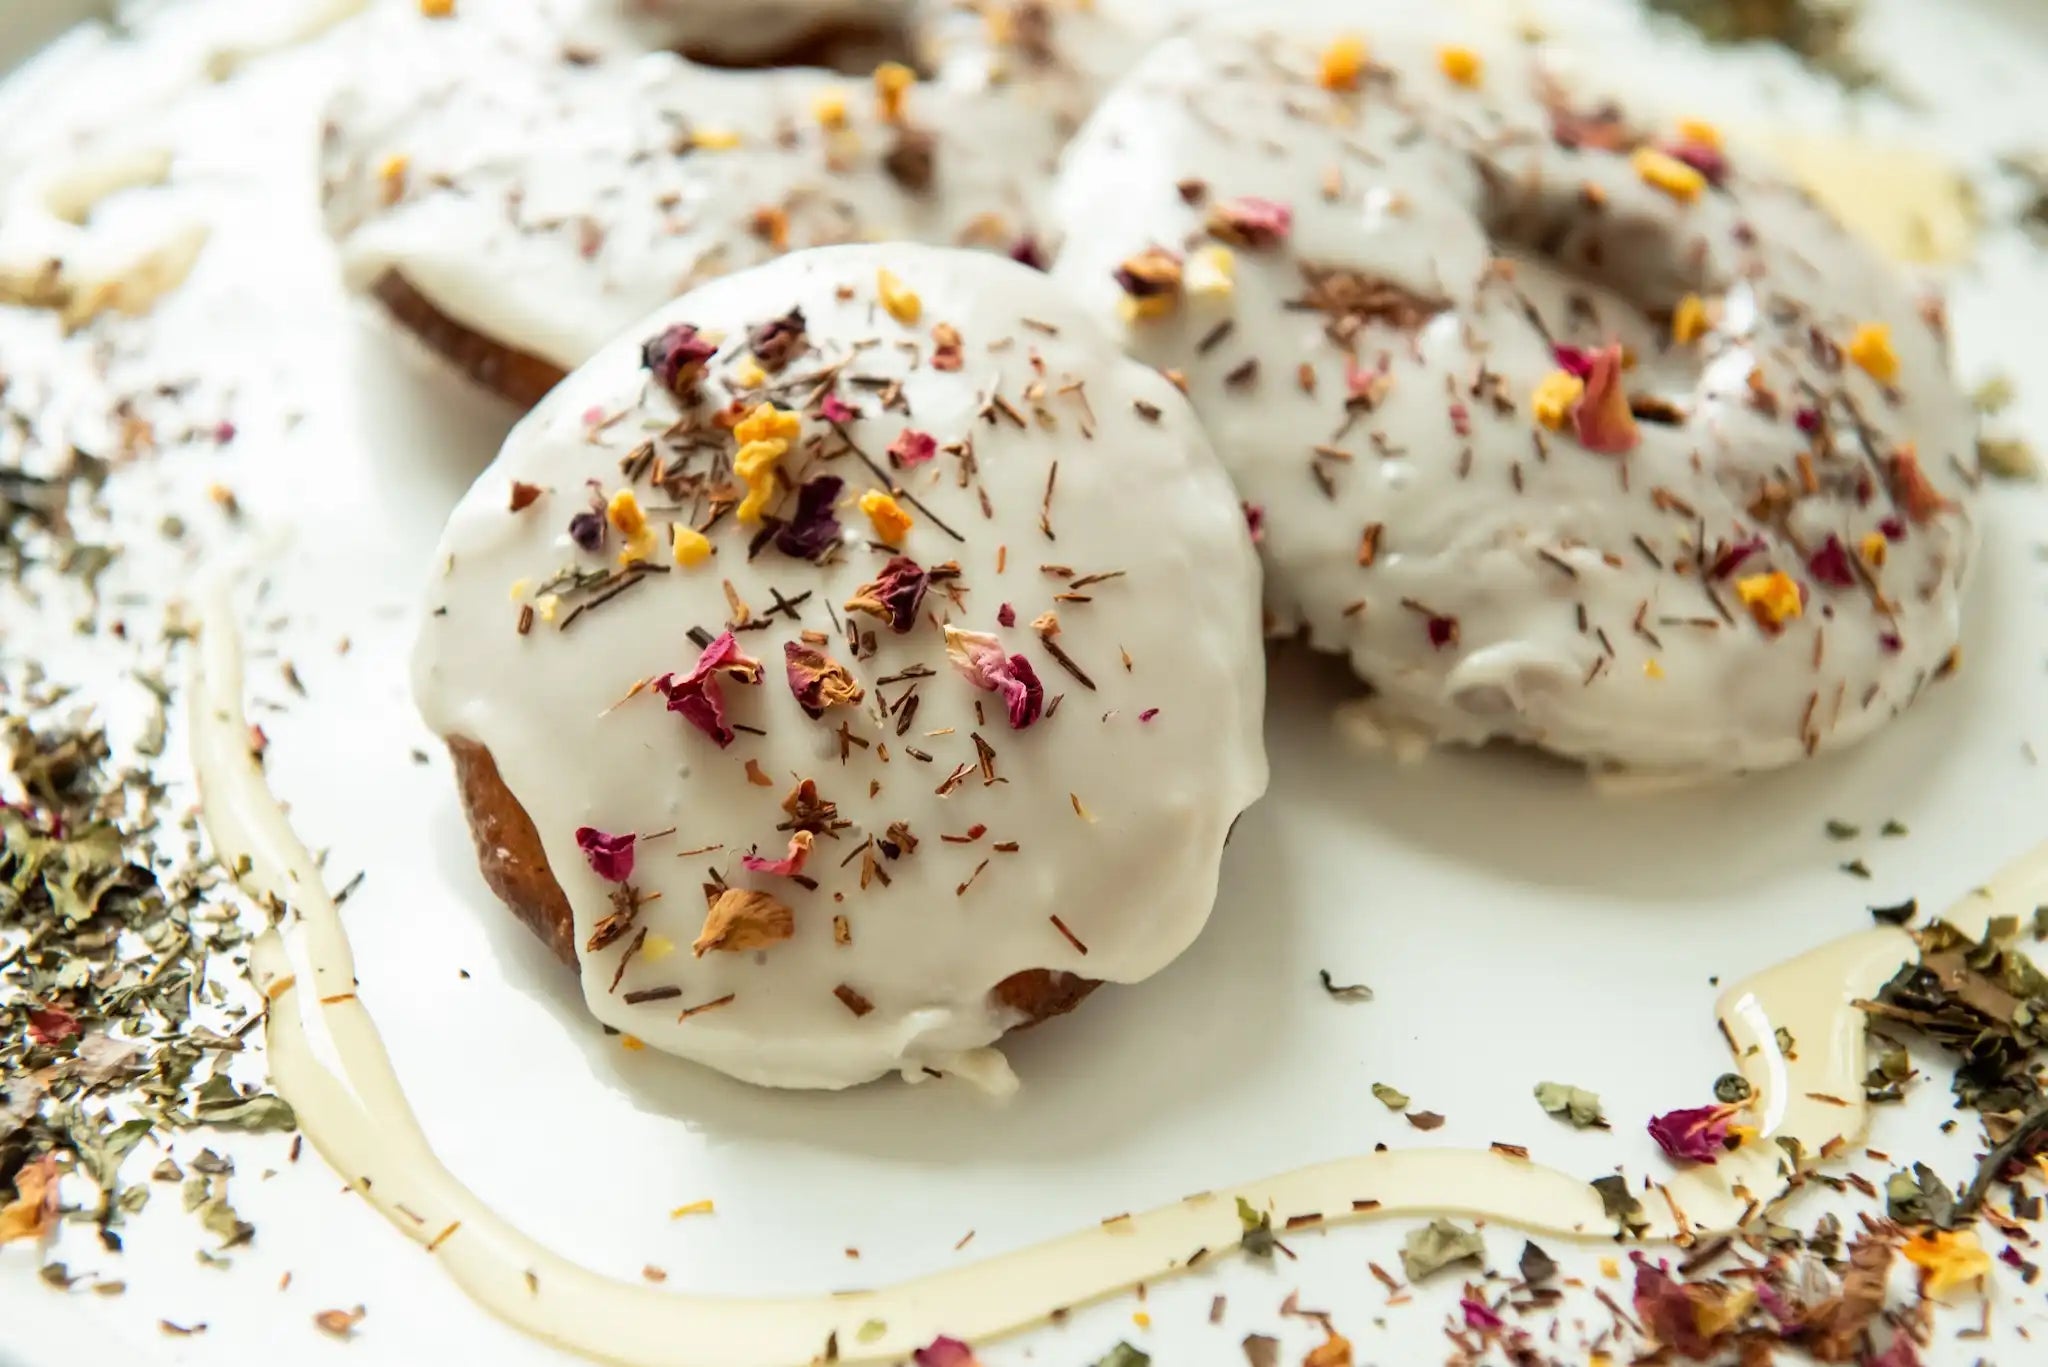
(509, 852)
(516, 376)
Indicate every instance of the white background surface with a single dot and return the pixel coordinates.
(1516, 926)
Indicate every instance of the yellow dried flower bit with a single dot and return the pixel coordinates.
(715, 139)
(1141, 1319)
(899, 299)
(547, 605)
(1211, 273)
(1342, 62)
(1872, 548)
(656, 948)
(1689, 321)
(1556, 395)
(1701, 132)
(623, 512)
(755, 465)
(632, 1044)
(639, 547)
(391, 173)
(828, 107)
(747, 373)
(892, 524)
(1651, 669)
(1609, 1268)
(689, 547)
(1773, 599)
(1461, 64)
(437, 9)
(766, 422)
(519, 587)
(892, 88)
(1947, 1258)
(1668, 173)
(704, 1207)
(1870, 347)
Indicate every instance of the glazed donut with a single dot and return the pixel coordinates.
(836, 723)
(516, 209)
(1566, 427)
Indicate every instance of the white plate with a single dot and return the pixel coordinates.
(1516, 926)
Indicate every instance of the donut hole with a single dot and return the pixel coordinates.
(852, 47)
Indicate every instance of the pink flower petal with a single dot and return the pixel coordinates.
(789, 865)
(980, 657)
(697, 696)
(610, 856)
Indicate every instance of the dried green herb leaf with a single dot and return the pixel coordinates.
(1919, 1197)
(1344, 992)
(1619, 1202)
(1390, 1097)
(220, 1104)
(1575, 1104)
(2007, 457)
(1856, 868)
(1123, 1355)
(1258, 1240)
(1842, 830)
(1993, 395)
(1886, 1080)
(1893, 829)
(1896, 915)
(1432, 1247)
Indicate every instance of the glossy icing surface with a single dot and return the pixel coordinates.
(547, 201)
(960, 832)
(1766, 559)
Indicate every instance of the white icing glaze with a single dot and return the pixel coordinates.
(1509, 530)
(547, 204)
(361, 1123)
(1119, 819)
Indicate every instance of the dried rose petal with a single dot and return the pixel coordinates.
(1255, 521)
(1698, 1134)
(610, 856)
(776, 341)
(1730, 560)
(818, 680)
(1690, 1319)
(1576, 362)
(677, 356)
(1807, 420)
(980, 657)
(1893, 528)
(587, 530)
(1830, 564)
(912, 448)
(814, 528)
(1025, 251)
(1443, 631)
(697, 696)
(1705, 158)
(51, 1024)
(789, 865)
(834, 409)
(1602, 418)
(1477, 1316)
(1249, 221)
(945, 1352)
(895, 596)
(1006, 616)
